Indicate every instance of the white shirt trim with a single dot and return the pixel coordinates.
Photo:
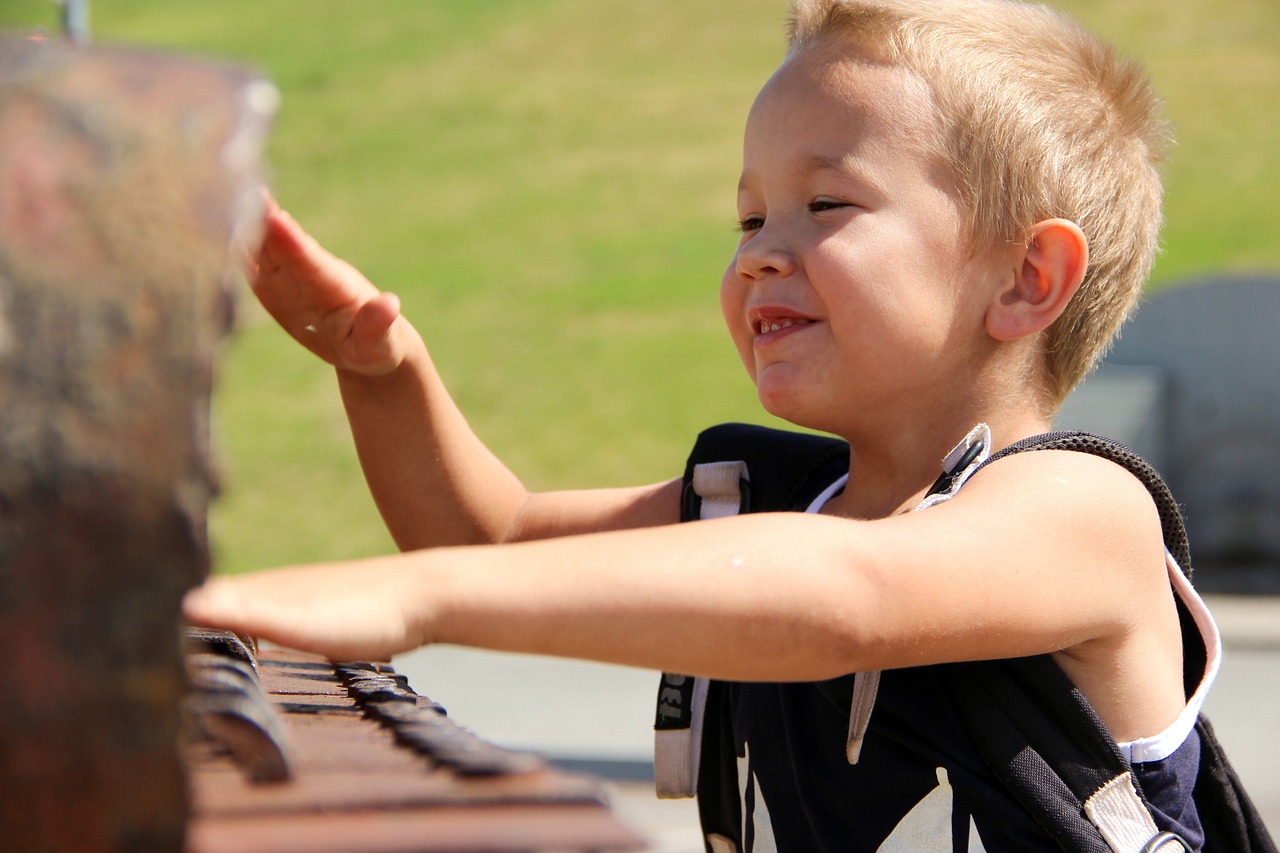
(1164, 744)
(827, 494)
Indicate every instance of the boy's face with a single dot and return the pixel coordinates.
(851, 286)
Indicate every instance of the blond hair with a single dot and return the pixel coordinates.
(1040, 119)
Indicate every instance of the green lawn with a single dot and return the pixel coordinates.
(549, 186)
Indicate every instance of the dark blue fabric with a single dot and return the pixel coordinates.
(1168, 786)
(794, 737)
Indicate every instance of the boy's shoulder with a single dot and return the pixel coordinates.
(1083, 445)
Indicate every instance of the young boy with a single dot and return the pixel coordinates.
(947, 209)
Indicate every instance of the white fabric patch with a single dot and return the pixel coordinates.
(927, 827)
(865, 687)
(980, 433)
(717, 484)
(1121, 816)
(761, 823)
(677, 752)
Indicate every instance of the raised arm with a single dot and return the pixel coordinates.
(433, 480)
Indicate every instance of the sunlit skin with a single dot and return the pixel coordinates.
(901, 339)
(861, 245)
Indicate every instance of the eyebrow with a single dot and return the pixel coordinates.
(820, 162)
(823, 162)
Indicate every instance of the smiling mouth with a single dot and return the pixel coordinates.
(766, 326)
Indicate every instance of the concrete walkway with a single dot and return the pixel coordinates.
(600, 718)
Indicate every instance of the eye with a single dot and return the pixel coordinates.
(818, 205)
(750, 223)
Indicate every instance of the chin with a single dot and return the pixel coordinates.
(785, 406)
(806, 413)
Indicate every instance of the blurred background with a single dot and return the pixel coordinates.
(549, 186)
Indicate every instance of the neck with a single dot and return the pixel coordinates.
(891, 470)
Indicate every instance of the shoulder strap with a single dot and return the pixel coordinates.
(1037, 732)
(1045, 741)
(1042, 740)
(733, 468)
(761, 470)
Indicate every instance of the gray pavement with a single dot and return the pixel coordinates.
(600, 717)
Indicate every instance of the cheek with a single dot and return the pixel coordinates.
(733, 309)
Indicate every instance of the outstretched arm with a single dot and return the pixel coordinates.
(433, 480)
(1003, 570)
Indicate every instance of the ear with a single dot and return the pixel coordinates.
(1045, 275)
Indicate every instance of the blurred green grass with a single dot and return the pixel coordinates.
(548, 184)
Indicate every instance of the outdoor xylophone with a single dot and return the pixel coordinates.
(288, 751)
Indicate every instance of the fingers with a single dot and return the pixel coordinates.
(371, 331)
(216, 605)
(248, 237)
(325, 610)
(286, 243)
(249, 607)
(288, 249)
(324, 302)
(269, 203)
(295, 261)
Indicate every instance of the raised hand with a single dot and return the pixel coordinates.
(326, 304)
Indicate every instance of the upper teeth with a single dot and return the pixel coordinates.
(775, 325)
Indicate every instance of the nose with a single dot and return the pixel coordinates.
(763, 253)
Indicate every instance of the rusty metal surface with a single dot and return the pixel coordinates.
(121, 178)
(357, 784)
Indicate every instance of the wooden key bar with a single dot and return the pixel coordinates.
(374, 766)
